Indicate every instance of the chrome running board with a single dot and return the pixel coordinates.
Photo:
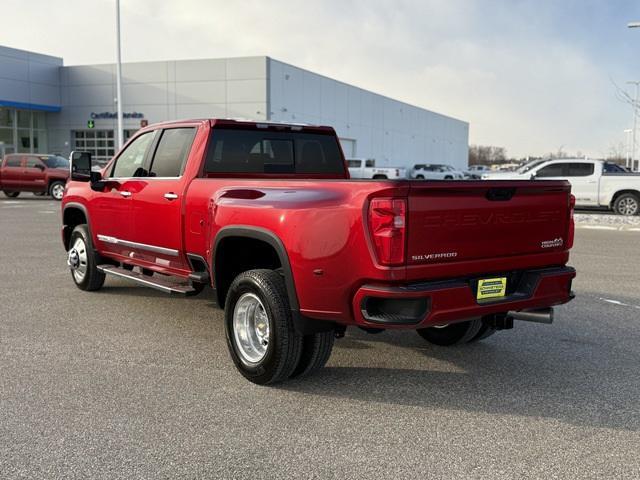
(156, 282)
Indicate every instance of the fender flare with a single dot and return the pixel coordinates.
(80, 207)
(267, 236)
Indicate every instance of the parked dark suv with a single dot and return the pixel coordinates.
(40, 174)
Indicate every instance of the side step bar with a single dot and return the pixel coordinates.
(154, 282)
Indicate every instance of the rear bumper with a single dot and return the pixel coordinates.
(425, 304)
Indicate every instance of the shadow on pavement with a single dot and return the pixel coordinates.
(552, 381)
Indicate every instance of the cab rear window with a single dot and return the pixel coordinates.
(272, 152)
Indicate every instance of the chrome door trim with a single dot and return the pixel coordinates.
(142, 246)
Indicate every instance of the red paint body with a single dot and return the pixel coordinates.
(27, 178)
(453, 232)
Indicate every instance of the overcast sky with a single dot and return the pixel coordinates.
(532, 76)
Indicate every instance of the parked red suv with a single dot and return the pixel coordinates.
(267, 215)
(40, 174)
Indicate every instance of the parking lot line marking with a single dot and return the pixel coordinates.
(618, 302)
(597, 227)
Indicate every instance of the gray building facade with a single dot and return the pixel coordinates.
(48, 107)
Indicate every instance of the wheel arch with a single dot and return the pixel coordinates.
(615, 196)
(223, 269)
(73, 214)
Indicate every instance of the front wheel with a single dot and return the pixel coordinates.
(56, 190)
(11, 194)
(627, 204)
(420, 177)
(82, 260)
(261, 338)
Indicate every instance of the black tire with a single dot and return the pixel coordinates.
(454, 334)
(284, 343)
(627, 204)
(420, 177)
(56, 190)
(316, 350)
(11, 194)
(380, 177)
(484, 332)
(448, 177)
(93, 279)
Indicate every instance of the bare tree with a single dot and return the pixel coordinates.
(486, 155)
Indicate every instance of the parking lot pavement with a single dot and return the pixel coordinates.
(130, 383)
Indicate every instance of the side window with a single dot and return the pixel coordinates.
(172, 152)
(130, 162)
(354, 163)
(13, 162)
(33, 162)
(580, 169)
(370, 163)
(553, 170)
(612, 168)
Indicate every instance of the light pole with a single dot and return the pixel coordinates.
(635, 124)
(627, 145)
(635, 111)
(118, 78)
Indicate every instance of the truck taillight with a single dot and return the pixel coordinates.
(572, 225)
(388, 227)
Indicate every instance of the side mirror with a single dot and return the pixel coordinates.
(40, 167)
(533, 176)
(80, 166)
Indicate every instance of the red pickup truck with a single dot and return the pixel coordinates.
(267, 216)
(40, 174)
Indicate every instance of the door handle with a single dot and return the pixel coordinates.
(124, 193)
(170, 196)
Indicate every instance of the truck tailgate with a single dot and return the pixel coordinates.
(481, 220)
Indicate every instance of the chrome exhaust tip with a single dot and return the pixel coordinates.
(542, 315)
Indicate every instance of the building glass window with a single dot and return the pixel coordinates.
(24, 119)
(6, 117)
(100, 143)
(23, 131)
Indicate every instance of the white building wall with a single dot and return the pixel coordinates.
(161, 91)
(392, 132)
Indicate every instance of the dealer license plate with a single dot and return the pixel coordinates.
(492, 288)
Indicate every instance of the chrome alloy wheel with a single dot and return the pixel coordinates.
(628, 206)
(250, 328)
(77, 259)
(57, 191)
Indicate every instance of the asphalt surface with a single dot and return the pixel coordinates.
(131, 383)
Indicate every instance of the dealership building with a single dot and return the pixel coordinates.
(47, 107)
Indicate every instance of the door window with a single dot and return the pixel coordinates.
(553, 170)
(33, 162)
(13, 162)
(580, 169)
(172, 152)
(130, 163)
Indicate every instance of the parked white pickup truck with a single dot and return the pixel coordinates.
(366, 168)
(595, 183)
